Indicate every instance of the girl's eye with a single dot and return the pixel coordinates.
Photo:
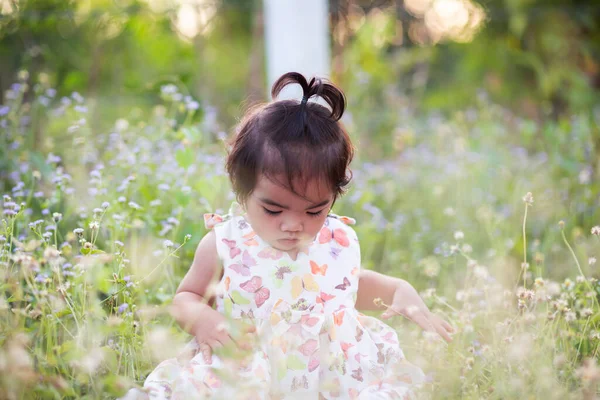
(314, 214)
(270, 212)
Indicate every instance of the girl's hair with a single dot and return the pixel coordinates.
(295, 138)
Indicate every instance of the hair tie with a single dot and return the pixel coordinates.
(304, 100)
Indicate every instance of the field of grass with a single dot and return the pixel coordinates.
(493, 218)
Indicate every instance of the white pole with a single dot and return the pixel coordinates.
(297, 39)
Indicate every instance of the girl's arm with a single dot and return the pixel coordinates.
(191, 305)
(400, 298)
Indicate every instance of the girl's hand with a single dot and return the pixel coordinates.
(409, 304)
(211, 332)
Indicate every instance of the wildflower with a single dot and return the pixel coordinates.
(94, 225)
(592, 260)
(586, 312)
(118, 243)
(122, 308)
(596, 230)
(459, 235)
(57, 217)
(570, 316)
(568, 284)
(378, 302)
(105, 205)
(168, 244)
(525, 266)
(88, 245)
(78, 231)
(589, 372)
(122, 199)
(539, 282)
(528, 199)
(134, 205)
(188, 237)
(580, 279)
(192, 105)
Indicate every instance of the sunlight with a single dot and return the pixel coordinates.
(456, 20)
(194, 17)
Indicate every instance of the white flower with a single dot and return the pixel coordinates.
(592, 260)
(596, 230)
(459, 235)
(168, 244)
(528, 199)
(570, 316)
(94, 225)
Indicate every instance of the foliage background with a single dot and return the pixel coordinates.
(112, 121)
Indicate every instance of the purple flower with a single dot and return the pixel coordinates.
(122, 308)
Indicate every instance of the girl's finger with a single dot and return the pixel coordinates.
(442, 332)
(449, 328)
(424, 322)
(206, 351)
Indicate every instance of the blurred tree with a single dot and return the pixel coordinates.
(541, 57)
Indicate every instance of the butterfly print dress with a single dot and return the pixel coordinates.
(311, 341)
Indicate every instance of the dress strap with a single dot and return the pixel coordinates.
(211, 219)
(344, 219)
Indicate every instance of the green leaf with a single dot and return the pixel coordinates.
(184, 157)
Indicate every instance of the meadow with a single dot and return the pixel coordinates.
(494, 218)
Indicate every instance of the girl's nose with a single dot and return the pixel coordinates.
(291, 224)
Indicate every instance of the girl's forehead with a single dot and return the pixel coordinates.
(304, 190)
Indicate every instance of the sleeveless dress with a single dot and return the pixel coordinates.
(311, 341)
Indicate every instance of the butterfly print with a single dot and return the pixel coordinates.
(300, 284)
(390, 338)
(309, 321)
(316, 269)
(343, 285)
(345, 347)
(234, 251)
(335, 252)
(298, 383)
(242, 224)
(249, 314)
(211, 220)
(254, 285)
(309, 347)
(244, 267)
(250, 239)
(358, 374)
(359, 334)
(338, 318)
(324, 297)
(269, 252)
(281, 271)
(339, 235)
(301, 304)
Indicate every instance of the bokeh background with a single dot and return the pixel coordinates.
(114, 116)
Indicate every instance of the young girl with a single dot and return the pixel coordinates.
(289, 274)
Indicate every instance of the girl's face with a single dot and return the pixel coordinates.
(284, 220)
